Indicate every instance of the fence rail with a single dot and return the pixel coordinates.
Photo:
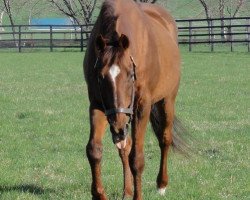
(214, 31)
(191, 32)
(44, 36)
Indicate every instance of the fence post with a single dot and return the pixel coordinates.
(190, 35)
(19, 38)
(212, 35)
(222, 29)
(51, 38)
(248, 34)
(231, 34)
(1, 29)
(81, 39)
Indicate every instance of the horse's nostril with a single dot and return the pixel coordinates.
(124, 132)
(123, 136)
(118, 132)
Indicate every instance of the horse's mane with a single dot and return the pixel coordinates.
(108, 20)
(107, 28)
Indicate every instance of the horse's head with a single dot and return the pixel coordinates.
(116, 75)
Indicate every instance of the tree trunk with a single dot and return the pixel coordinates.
(239, 5)
(7, 6)
(1, 19)
(208, 16)
(13, 28)
(222, 15)
(1, 23)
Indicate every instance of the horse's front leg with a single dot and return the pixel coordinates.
(94, 148)
(165, 141)
(136, 156)
(128, 179)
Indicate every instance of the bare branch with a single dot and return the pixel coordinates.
(8, 9)
(80, 10)
(206, 8)
(221, 8)
(239, 5)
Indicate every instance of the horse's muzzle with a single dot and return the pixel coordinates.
(119, 135)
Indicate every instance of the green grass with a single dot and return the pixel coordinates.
(44, 130)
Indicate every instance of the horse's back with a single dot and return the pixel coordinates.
(163, 17)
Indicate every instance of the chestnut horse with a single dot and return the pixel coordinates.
(132, 69)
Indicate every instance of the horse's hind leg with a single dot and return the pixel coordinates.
(98, 124)
(162, 118)
(128, 178)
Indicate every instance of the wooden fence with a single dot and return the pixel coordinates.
(44, 36)
(191, 32)
(214, 31)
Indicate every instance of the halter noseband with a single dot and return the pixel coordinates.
(129, 111)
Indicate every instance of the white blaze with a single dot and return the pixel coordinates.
(114, 71)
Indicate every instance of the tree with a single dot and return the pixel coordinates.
(12, 9)
(36, 8)
(217, 8)
(2, 9)
(1, 19)
(79, 10)
(7, 5)
(1, 16)
(206, 8)
(234, 7)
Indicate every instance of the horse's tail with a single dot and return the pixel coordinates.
(181, 137)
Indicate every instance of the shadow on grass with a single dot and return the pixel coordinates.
(27, 188)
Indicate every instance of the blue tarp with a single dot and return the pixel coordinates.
(58, 23)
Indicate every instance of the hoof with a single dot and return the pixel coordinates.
(162, 191)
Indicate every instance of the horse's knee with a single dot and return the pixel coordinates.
(136, 162)
(94, 151)
(167, 139)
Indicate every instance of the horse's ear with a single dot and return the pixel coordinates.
(100, 43)
(124, 41)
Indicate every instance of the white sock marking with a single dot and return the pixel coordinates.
(114, 71)
(161, 191)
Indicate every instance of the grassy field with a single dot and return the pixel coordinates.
(44, 130)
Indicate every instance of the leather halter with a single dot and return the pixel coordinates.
(129, 111)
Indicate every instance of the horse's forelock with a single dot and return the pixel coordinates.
(113, 55)
(114, 51)
(108, 19)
